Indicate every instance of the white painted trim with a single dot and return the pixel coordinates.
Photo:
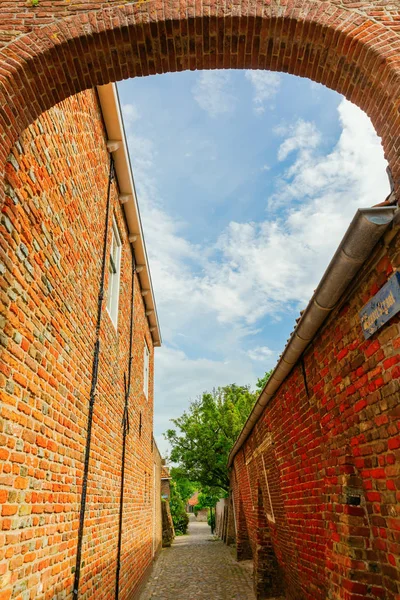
(111, 111)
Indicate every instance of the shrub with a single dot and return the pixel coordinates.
(178, 512)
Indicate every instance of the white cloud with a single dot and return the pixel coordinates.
(279, 261)
(211, 297)
(302, 136)
(213, 94)
(261, 353)
(353, 174)
(264, 266)
(142, 153)
(266, 85)
(131, 113)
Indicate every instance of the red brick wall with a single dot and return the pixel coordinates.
(20, 17)
(51, 249)
(157, 514)
(53, 50)
(331, 461)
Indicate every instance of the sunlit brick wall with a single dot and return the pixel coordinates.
(51, 249)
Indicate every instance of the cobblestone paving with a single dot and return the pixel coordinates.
(197, 567)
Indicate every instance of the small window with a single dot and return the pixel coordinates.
(114, 268)
(146, 370)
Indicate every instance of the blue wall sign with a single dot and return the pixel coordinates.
(382, 307)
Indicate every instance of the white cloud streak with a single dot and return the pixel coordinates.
(131, 114)
(265, 85)
(213, 93)
(260, 353)
(302, 136)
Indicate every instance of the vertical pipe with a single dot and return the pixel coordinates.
(95, 370)
(125, 431)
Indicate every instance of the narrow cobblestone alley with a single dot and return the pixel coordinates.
(199, 567)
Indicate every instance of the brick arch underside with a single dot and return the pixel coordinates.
(339, 48)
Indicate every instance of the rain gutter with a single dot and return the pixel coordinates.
(364, 232)
(111, 111)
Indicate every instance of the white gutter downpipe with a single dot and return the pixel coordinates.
(365, 230)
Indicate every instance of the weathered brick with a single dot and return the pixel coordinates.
(328, 475)
(49, 51)
(50, 350)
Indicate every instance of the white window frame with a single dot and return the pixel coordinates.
(114, 270)
(146, 368)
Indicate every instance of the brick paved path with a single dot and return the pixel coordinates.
(198, 568)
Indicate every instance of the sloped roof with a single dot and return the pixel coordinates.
(165, 473)
(194, 499)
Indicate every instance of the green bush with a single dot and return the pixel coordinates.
(178, 512)
(211, 520)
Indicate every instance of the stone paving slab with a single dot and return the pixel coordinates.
(198, 567)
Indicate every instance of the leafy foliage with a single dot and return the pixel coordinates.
(178, 512)
(208, 498)
(262, 381)
(185, 487)
(205, 434)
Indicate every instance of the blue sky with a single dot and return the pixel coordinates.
(246, 182)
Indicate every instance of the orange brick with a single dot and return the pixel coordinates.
(9, 509)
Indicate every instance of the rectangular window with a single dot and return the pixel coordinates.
(146, 370)
(114, 269)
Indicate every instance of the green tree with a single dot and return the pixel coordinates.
(178, 511)
(184, 485)
(208, 498)
(205, 434)
(262, 381)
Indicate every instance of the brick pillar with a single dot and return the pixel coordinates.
(354, 567)
(268, 580)
(243, 547)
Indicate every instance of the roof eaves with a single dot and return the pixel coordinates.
(112, 116)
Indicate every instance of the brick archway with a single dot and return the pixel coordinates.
(349, 50)
(62, 53)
